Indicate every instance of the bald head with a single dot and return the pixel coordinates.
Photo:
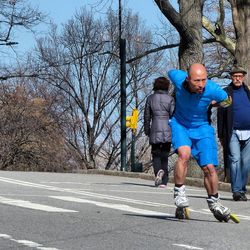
(197, 77)
(196, 68)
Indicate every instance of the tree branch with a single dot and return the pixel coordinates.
(225, 41)
(168, 46)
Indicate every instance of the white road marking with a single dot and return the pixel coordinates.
(101, 196)
(121, 207)
(5, 236)
(95, 195)
(35, 206)
(65, 182)
(158, 192)
(27, 243)
(186, 246)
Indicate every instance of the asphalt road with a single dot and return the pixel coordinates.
(55, 211)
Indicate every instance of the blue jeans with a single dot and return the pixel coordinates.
(239, 162)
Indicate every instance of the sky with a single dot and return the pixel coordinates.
(59, 11)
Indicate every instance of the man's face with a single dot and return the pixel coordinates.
(197, 81)
(237, 79)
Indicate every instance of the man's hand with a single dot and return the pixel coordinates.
(215, 104)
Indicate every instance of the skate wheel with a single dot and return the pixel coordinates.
(187, 213)
(182, 213)
(219, 218)
(234, 218)
(179, 213)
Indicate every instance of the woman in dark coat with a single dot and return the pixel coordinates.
(159, 108)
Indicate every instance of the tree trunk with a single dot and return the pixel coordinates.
(188, 23)
(191, 45)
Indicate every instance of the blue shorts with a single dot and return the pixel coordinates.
(201, 140)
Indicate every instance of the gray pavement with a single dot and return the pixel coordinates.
(65, 211)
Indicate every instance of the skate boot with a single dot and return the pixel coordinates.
(220, 212)
(181, 202)
(158, 178)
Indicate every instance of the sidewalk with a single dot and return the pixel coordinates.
(197, 182)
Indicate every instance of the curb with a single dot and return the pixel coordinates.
(190, 181)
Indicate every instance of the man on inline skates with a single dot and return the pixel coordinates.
(192, 134)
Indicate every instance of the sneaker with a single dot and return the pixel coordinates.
(243, 197)
(158, 178)
(162, 186)
(180, 197)
(219, 211)
(237, 196)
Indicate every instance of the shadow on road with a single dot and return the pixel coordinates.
(204, 197)
(138, 184)
(125, 183)
(170, 218)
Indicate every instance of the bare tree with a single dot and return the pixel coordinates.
(81, 64)
(15, 14)
(30, 138)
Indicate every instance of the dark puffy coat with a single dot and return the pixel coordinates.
(159, 108)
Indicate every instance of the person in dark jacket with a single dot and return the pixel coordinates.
(233, 125)
(159, 108)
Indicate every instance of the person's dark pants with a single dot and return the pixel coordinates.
(160, 154)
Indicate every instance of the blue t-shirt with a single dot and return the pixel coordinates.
(191, 108)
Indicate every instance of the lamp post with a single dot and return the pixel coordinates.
(122, 43)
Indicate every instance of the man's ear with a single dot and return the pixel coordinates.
(187, 78)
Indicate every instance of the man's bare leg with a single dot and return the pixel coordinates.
(210, 179)
(181, 165)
